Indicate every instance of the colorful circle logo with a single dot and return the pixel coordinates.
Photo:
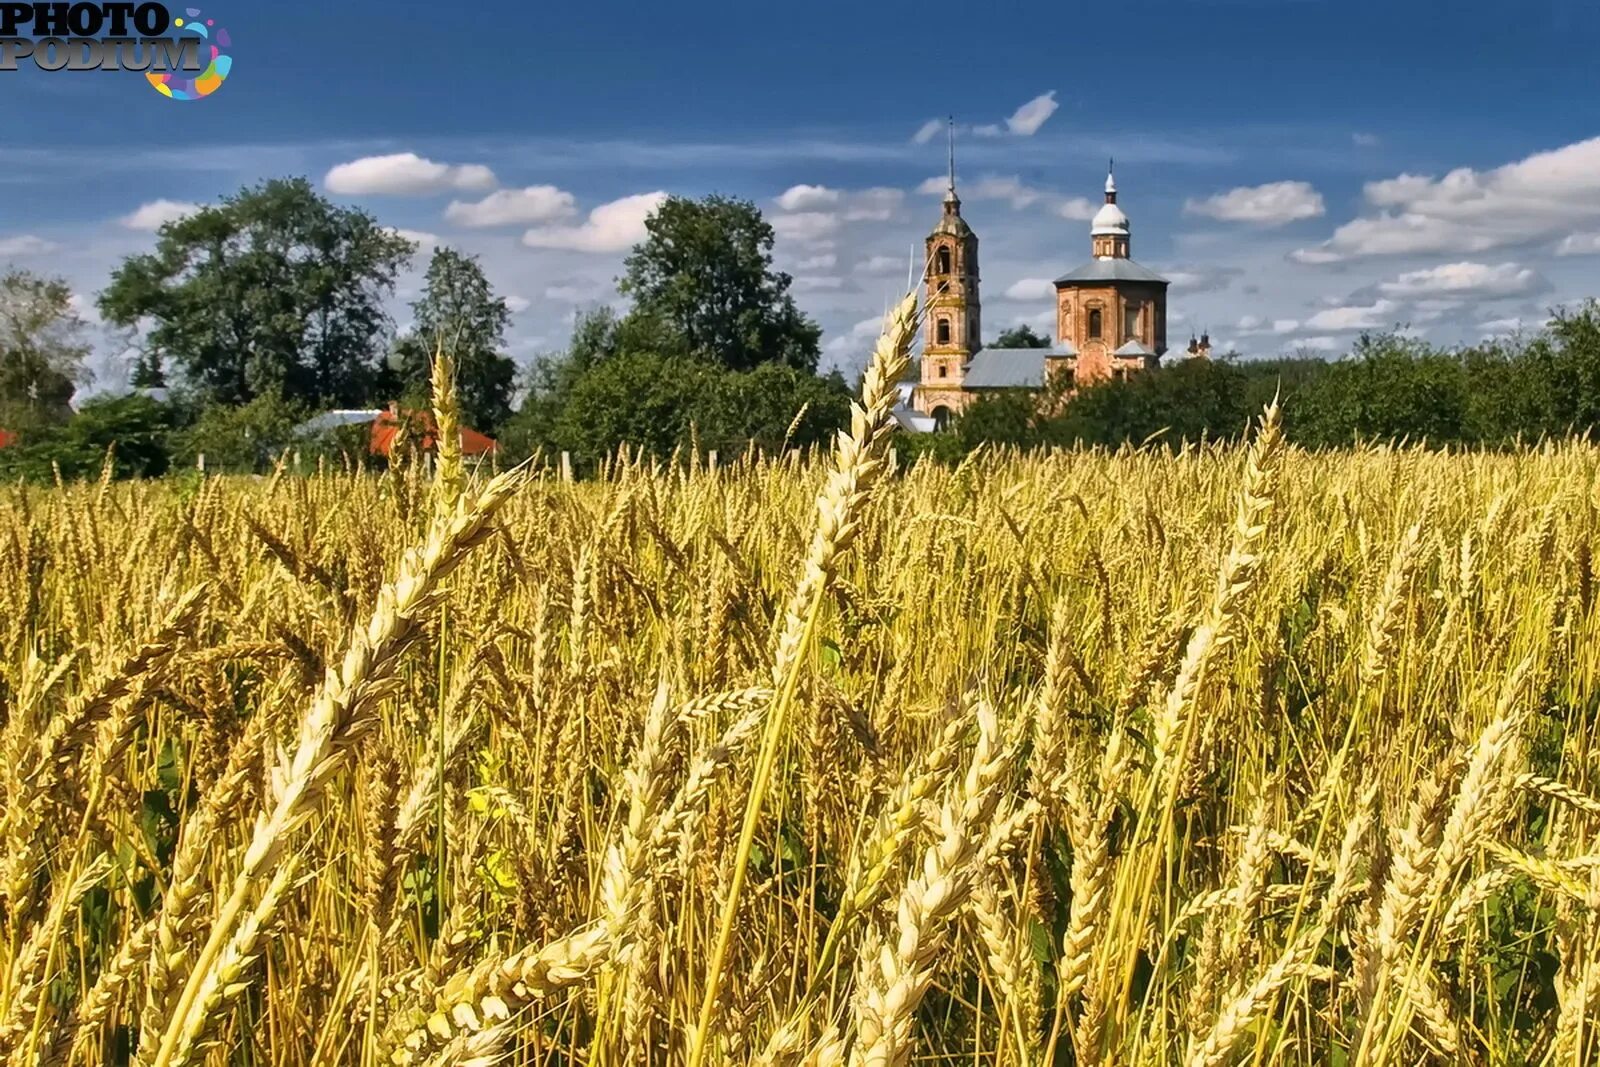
(175, 84)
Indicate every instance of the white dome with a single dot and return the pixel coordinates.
(1110, 221)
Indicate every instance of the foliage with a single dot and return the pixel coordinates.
(273, 292)
(703, 277)
(245, 439)
(42, 349)
(1022, 336)
(459, 311)
(134, 429)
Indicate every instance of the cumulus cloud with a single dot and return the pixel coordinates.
(613, 227)
(517, 305)
(1077, 208)
(1026, 120)
(877, 204)
(1202, 279)
(26, 245)
(807, 197)
(530, 206)
(1471, 280)
(880, 265)
(1500, 327)
(818, 284)
(1273, 204)
(1030, 289)
(421, 238)
(1579, 244)
(1471, 211)
(1255, 325)
(1318, 344)
(855, 341)
(825, 261)
(406, 174)
(157, 213)
(1349, 317)
(927, 131)
(806, 226)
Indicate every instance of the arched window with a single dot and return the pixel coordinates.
(943, 332)
(943, 261)
(941, 418)
(944, 372)
(1094, 324)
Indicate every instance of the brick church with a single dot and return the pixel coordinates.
(1111, 317)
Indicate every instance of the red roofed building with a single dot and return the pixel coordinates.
(7, 438)
(420, 424)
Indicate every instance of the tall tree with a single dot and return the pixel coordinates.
(273, 292)
(459, 311)
(1021, 337)
(704, 274)
(42, 349)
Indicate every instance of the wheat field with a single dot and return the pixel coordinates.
(1237, 754)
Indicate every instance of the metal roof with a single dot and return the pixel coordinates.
(1011, 368)
(1108, 269)
(1133, 348)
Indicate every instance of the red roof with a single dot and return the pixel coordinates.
(387, 426)
(7, 438)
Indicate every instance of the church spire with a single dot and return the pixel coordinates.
(1111, 181)
(952, 201)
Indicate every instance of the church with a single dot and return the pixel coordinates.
(1110, 321)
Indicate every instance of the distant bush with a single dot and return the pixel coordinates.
(135, 430)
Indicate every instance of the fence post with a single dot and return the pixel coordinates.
(566, 466)
(200, 463)
(711, 461)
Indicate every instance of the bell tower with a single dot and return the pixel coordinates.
(1109, 231)
(953, 328)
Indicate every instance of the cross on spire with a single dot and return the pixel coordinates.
(950, 133)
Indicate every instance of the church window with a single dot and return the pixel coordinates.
(944, 261)
(944, 372)
(943, 333)
(1094, 324)
(1130, 324)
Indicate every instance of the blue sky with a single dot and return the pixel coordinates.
(1301, 170)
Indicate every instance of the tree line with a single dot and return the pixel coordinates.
(250, 315)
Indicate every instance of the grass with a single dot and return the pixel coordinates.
(1233, 755)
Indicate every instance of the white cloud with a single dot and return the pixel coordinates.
(406, 174)
(1273, 204)
(1534, 199)
(1202, 279)
(1077, 208)
(1374, 316)
(818, 284)
(1026, 120)
(1256, 325)
(572, 294)
(806, 226)
(877, 204)
(854, 341)
(1029, 289)
(517, 305)
(1499, 327)
(421, 238)
(825, 261)
(1467, 280)
(1281, 326)
(1250, 323)
(927, 131)
(1579, 244)
(613, 227)
(807, 197)
(27, 245)
(880, 265)
(989, 129)
(157, 213)
(1365, 140)
(530, 206)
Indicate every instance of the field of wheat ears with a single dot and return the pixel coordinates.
(1235, 754)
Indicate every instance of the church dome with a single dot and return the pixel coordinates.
(1109, 221)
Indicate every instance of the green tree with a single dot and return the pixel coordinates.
(42, 350)
(133, 429)
(1021, 337)
(703, 276)
(273, 292)
(460, 311)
